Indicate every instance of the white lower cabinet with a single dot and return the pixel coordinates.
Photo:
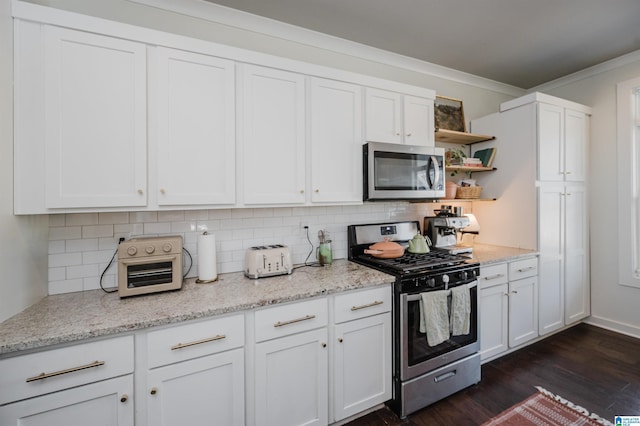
(291, 364)
(362, 351)
(508, 305)
(313, 362)
(305, 363)
(196, 373)
(79, 385)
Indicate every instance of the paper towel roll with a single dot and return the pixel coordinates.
(207, 266)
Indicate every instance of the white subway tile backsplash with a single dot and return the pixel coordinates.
(96, 231)
(79, 219)
(157, 228)
(83, 271)
(65, 259)
(65, 233)
(81, 245)
(65, 286)
(57, 274)
(85, 244)
(56, 220)
(113, 218)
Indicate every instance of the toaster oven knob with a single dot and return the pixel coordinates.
(150, 249)
(131, 251)
(166, 248)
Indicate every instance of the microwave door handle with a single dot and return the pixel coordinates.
(436, 171)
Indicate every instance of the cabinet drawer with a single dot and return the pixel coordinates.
(56, 369)
(289, 319)
(363, 303)
(523, 269)
(188, 341)
(493, 275)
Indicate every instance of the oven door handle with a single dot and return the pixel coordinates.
(416, 297)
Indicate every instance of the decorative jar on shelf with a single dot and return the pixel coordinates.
(450, 190)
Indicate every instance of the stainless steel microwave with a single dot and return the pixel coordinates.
(402, 172)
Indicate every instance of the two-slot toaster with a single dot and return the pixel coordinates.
(267, 261)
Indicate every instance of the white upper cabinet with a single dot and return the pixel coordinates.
(335, 141)
(395, 118)
(562, 143)
(193, 118)
(272, 136)
(95, 120)
(383, 116)
(418, 121)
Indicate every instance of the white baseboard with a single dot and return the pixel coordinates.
(618, 327)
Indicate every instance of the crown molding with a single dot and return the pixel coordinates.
(249, 22)
(588, 72)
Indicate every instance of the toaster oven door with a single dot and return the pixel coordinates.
(149, 275)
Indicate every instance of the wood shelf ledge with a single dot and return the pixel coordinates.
(463, 138)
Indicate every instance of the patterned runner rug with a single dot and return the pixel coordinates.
(545, 408)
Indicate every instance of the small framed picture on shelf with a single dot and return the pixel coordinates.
(449, 114)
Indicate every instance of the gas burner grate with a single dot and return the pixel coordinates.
(414, 261)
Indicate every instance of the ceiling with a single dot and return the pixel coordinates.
(523, 43)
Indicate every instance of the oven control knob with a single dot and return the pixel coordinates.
(445, 278)
(431, 282)
(465, 275)
(150, 249)
(131, 251)
(166, 248)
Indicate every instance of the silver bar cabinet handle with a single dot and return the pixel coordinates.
(67, 371)
(293, 321)
(197, 342)
(369, 305)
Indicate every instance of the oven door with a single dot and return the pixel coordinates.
(393, 171)
(416, 355)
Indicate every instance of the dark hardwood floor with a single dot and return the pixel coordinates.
(589, 366)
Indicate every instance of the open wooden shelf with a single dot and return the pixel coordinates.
(463, 138)
(466, 169)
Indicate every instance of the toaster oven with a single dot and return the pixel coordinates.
(149, 265)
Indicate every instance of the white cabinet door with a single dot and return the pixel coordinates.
(576, 285)
(551, 245)
(291, 380)
(362, 365)
(418, 121)
(576, 143)
(272, 136)
(523, 311)
(202, 391)
(95, 120)
(336, 141)
(193, 117)
(383, 122)
(494, 311)
(550, 142)
(107, 403)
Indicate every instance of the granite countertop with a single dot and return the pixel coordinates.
(487, 254)
(71, 317)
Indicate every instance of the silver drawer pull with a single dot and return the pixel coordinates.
(293, 321)
(493, 277)
(61, 372)
(369, 305)
(528, 268)
(198, 342)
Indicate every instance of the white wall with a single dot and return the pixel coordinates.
(612, 305)
(23, 240)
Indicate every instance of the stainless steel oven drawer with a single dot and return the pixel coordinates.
(440, 383)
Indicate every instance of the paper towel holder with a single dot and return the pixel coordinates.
(201, 281)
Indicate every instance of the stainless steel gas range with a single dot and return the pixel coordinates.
(435, 316)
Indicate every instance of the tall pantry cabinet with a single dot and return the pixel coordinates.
(542, 142)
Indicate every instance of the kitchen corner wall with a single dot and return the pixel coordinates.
(81, 244)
